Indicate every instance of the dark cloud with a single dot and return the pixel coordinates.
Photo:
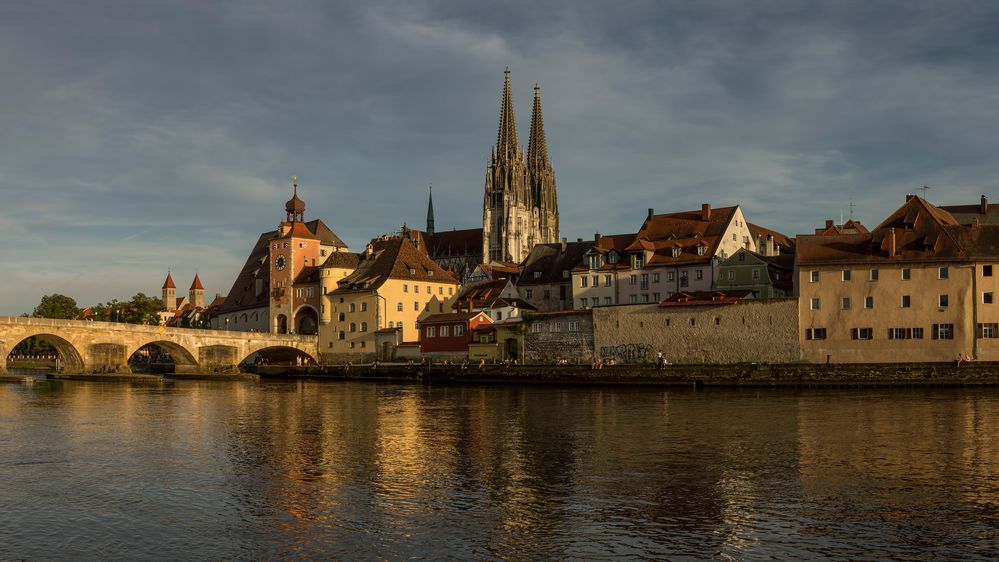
(143, 135)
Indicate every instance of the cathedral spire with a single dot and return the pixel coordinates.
(430, 211)
(537, 148)
(506, 140)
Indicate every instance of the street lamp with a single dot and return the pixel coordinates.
(227, 324)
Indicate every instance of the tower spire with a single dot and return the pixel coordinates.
(537, 148)
(430, 211)
(506, 140)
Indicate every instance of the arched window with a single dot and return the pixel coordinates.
(364, 326)
(399, 307)
(341, 317)
(364, 307)
(341, 335)
(353, 327)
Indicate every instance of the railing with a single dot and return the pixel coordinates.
(147, 328)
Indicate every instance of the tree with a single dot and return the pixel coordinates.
(56, 306)
(143, 310)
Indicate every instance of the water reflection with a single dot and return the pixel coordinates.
(215, 470)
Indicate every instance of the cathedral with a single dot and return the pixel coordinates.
(520, 207)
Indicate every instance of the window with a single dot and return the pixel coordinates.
(574, 325)
(529, 293)
(363, 343)
(440, 307)
(943, 331)
(632, 279)
(702, 249)
(645, 281)
(583, 280)
(398, 307)
(906, 274)
(341, 335)
(847, 274)
(989, 330)
(988, 298)
(815, 333)
(669, 276)
(416, 306)
(364, 326)
(943, 273)
(917, 333)
(845, 304)
(565, 274)
(655, 297)
(944, 301)
(353, 327)
(364, 307)
(633, 299)
(676, 252)
(430, 290)
(699, 274)
(607, 301)
(684, 281)
(607, 281)
(815, 304)
(536, 327)
(426, 306)
(639, 261)
(868, 302)
(906, 301)
(537, 274)
(756, 273)
(731, 275)
(444, 331)
(874, 275)
(655, 277)
(416, 288)
(440, 290)
(351, 307)
(431, 331)
(815, 277)
(584, 301)
(742, 256)
(459, 330)
(341, 317)
(905, 333)
(546, 294)
(499, 314)
(450, 291)
(986, 271)
(555, 327)
(645, 297)
(862, 333)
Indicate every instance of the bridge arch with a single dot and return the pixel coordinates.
(181, 355)
(69, 355)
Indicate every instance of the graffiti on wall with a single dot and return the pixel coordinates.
(628, 352)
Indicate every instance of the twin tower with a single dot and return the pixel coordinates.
(520, 208)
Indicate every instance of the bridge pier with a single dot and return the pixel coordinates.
(3, 353)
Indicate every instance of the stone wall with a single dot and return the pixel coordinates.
(760, 331)
(559, 335)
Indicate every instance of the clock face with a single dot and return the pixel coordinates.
(279, 262)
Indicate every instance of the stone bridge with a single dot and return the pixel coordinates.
(90, 347)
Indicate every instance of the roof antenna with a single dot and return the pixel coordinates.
(924, 189)
(851, 208)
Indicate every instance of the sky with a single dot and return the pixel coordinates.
(141, 136)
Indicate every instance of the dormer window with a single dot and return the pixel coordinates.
(702, 249)
(412, 272)
(565, 274)
(676, 252)
(537, 274)
(639, 261)
(612, 257)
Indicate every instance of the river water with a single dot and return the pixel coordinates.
(210, 470)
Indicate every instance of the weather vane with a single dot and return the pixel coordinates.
(294, 179)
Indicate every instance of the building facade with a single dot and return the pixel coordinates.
(546, 275)
(918, 287)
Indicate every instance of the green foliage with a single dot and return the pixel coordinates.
(56, 306)
(32, 346)
(143, 309)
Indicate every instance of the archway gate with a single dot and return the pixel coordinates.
(94, 347)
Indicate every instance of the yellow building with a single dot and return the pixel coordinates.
(393, 285)
(918, 287)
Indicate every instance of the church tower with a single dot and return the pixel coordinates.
(542, 177)
(520, 207)
(507, 233)
(169, 293)
(430, 212)
(196, 294)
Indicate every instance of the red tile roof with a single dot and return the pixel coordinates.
(168, 284)
(393, 258)
(455, 317)
(196, 284)
(686, 231)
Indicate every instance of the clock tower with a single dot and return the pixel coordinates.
(292, 257)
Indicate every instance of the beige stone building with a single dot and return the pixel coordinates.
(918, 287)
(393, 286)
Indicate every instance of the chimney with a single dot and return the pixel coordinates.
(891, 243)
(771, 245)
(909, 196)
(651, 212)
(705, 211)
(565, 244)
(985, 205)
(829, 223)
(579, 239)
(596, 237)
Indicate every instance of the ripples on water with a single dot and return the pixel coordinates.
(189, 470)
